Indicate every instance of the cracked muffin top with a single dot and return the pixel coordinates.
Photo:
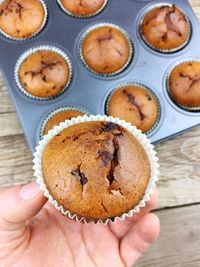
(106, 50)
(82, 7)
(165, 27)
(44, 74)
(60, 117)
(134, 104)
(21, 19)
(96, 170)
(184, 84)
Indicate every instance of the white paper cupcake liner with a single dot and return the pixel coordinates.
(192, 109)
(31, 51)
(148, 90)
(81, 16)
(56, 111)
(100, 25)
(35, 33)
(142, 139)
(166, 51)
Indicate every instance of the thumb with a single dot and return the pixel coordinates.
(19, 204)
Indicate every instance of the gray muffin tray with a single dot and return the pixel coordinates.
(90, 91)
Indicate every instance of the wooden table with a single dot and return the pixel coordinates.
(179, 185)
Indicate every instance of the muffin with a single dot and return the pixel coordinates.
(134, 104)
(22, 19)
(165, 28)
(184, 85)
(96, 170)
(106, 50)
(59, 116)
(85, 8)
(44, 74)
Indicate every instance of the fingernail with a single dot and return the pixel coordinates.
(29, 191)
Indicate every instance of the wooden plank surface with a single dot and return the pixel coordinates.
(179, 241)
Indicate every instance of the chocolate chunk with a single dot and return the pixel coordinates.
(110, 126)
(105, 156)
(82, 178)
(114, 161)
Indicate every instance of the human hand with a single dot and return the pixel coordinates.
(34, 234)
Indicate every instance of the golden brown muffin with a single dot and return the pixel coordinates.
(165, 28)
(21, 19)
(61, 116)
(184, 84)
(82, 7)
(96, 170)
(134, 104)
(106, 50)
(44, 74)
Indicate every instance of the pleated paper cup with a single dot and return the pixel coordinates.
(142, 139)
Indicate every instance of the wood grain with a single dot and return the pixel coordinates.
(179, 241)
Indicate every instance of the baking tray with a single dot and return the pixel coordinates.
(90, 91)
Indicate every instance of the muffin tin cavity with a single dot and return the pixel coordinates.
(135, 103)
(165, 28)
(59, 115)
(127, 58)
(106, 49)
(43, 73)
(82, 9)
(21, 20)
(183, 85)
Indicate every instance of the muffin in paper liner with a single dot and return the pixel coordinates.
(187, 108)
(32, 51)
(36, 32)
(82, 16)
(101, 25)
(141, 138)
(164, 51)
(56, 111)
(148, 90)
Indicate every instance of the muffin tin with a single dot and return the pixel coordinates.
(90, 91)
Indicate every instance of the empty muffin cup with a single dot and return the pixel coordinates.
(106, 49)
(60, 115)
(183, 85)
(86, 9)
(165, 28)
(21, 20)
(96, 169)
(136, 104)
(43, 73)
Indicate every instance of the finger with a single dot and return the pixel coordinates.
(121, 227)
(139, 238)
(18, 204)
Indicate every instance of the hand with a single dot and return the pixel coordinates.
(35, 234)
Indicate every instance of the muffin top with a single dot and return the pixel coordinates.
(44, 74)
(96, 170)
(106, 50)
(21, 19)
(61, 116)
(184, 84)
(134, 104)
(165, 27)
(82, 8)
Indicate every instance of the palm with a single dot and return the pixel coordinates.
(53, 240)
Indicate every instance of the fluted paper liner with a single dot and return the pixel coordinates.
(100, 25)
(34, 50)
(35, 33)
(148, 90)
(142, 139)
(56, 111)
(167, 51)
(82, 16)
